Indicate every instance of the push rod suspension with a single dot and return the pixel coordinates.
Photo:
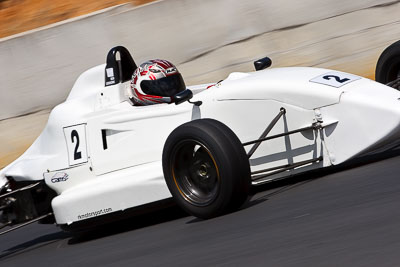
(395, 83)
(312, 127)
(279, 169)
(19, 190)
(26, 223)
(265, 133)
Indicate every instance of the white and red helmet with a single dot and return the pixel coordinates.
(155, 81)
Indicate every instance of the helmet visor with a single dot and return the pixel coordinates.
(167, 86)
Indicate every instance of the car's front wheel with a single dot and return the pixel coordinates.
(388, 66)
(206, 168)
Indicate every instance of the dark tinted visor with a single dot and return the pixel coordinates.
(167, 86)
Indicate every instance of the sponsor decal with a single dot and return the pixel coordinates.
(110, 72)
(94, 214)
(171, 70)
(59, 177)
(215, 84)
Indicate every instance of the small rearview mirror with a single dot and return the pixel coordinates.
(183, 96)
(262, 63)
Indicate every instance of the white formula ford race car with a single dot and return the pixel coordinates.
(101, 157)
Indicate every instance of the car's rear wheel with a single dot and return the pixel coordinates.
(388, 66)
(206, 168)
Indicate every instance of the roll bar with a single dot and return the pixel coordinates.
(119, 69)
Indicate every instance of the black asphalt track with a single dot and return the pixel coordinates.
(350, 217)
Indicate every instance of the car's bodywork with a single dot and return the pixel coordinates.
(101, 155)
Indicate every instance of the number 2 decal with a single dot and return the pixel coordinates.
(77, 155)
(335, 79)
(75, 137)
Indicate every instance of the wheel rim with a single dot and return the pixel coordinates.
(195, 172)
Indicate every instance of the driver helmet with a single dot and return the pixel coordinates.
(155, 81)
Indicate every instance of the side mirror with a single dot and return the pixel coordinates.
(183, 96)
(262, 63)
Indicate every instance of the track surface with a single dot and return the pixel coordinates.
(347, 218)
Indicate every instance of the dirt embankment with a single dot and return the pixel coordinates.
(22, 15)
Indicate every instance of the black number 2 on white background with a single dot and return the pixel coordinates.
(337, 78)
(74, 135)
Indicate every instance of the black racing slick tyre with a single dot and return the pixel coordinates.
(206, 168)
(388, 66)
